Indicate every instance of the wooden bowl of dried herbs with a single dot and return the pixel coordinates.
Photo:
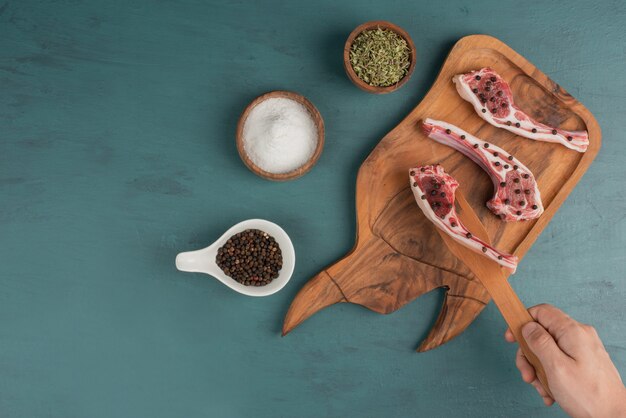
(379, 57)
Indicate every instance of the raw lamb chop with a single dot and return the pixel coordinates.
(434, 192)
(517, 196)
(493, 101)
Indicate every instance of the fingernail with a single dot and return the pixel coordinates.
(529, 328)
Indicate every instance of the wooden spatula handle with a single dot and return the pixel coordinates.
(516, 316)
(494, 280)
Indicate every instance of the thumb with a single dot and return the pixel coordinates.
(541, 343)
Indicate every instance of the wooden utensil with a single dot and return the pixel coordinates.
(298, 172)
(398, 256)
(492, 277)
(375, 24)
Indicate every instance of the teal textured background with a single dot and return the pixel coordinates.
(117, 123)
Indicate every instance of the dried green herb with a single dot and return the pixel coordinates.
(380, 57)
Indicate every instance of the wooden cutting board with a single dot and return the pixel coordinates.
(398, 255)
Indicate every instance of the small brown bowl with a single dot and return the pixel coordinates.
(348, 66)
(300, 171)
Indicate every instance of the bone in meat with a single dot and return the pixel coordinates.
(492, 99)
(434, 191)
(516, 195)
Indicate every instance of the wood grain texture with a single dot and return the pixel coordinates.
(398, 256)
(492, 277)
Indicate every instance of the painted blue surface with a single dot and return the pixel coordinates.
(117, 123)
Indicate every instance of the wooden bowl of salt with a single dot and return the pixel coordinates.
(280, 135)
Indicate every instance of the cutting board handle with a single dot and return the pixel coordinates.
(516, 316)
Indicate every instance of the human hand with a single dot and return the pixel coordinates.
(581, 375)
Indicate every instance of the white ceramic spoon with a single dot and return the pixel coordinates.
(203, 261)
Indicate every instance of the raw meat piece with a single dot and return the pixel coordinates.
(434, 192)
(493, 101)
(517, 196)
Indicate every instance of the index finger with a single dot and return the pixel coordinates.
(565, 331)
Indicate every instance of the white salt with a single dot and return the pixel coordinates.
(279, 135)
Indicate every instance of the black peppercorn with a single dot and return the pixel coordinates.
(251, 257)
